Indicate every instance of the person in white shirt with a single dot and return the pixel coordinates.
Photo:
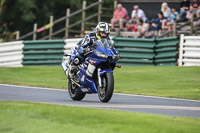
(137, 14)
(142, 27)
(166, 10)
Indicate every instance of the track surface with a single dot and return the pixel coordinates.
(133, 103)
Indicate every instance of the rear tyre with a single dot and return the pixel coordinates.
(74, 92)
(105, 93)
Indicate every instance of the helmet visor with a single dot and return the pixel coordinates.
(103, 34)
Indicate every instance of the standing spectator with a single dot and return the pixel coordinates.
(137, 14)
(196, 7)
(120, 16)
(184, 8)
(151, 31)
(142, 28)
(166, 10)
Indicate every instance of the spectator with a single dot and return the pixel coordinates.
(190, 13)
(196, 7)
(131, 26)
(120, 16)
(198, 11)
(166, 10)
(184, 8)
(151, 31)
(189, 16)
(137, 14)
(160, 22)
(174, 15)
(142, 27)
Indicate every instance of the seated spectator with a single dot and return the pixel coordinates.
(166, 10)
(137, 14)
(120, 16)
(189, 16)
(142, 27)
(160, 22)
(190, 13)
(174, 15)
(131, 26)
(151, 31)
(184, 8)
(172, 19)
(196, 7)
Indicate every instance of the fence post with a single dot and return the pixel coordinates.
(35, 31)
(155, 34)
(115, 4)
(51, 28)
(99, 10)
(17, 35)
(83, 18)
(67, 23)
(196, 30)
(174, 29)
(192, 22)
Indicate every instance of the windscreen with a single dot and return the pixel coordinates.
(105, 43)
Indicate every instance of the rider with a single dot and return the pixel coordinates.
(102, 30)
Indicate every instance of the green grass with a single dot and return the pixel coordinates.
(24, 117)
(179, 82)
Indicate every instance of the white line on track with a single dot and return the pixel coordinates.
(157, 97)
(38, 88)
(52, 89)
(118, 106)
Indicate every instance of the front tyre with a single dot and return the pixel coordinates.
(106, 91)
(74, 92)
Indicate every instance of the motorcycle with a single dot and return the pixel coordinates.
(95, 74)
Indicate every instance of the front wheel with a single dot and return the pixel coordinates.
(106, 91)
(74, 92)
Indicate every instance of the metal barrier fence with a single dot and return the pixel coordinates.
(45, 52)
(133, 51)
(189, 53)
(11, 54)
(137, 51)
(166, 51)
(29, 53)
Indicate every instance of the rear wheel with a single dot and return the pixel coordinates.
(106, 91)
(74, 92)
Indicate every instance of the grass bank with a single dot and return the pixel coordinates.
(179, 82)
(33, 117)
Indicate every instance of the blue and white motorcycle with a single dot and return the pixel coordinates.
(95, 74)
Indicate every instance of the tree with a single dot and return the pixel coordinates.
(22, 14)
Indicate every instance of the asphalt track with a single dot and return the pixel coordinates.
(126, 102)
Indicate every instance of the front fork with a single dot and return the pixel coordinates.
(99, 77)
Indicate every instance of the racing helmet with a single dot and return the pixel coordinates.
(102, 27)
